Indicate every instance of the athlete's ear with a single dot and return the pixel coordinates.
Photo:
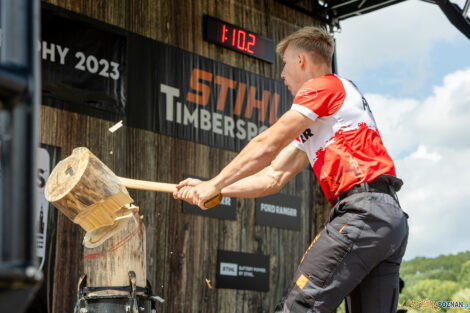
(301, 59)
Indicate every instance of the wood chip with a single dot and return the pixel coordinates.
(115, 126)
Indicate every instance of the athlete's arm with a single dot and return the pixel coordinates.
(289, 162)
(258, 154)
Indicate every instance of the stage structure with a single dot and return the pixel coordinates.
(20, 92)
(155, 91)
(332, 12)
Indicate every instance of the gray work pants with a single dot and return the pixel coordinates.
(357, 255)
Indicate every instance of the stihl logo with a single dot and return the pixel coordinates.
(202, 84)
(305, 135)
(228, 269)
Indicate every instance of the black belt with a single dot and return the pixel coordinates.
(374, 186)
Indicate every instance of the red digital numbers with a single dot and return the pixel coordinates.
(224, 30)
(239, 39)
(234, 32)
(251, 43)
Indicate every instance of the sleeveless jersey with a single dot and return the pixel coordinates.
(343, 144)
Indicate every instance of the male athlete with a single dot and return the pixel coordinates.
(330, 125)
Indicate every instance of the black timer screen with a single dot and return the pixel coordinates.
(238, 39)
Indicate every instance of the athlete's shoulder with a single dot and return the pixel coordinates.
(324, 95)
(329, 82)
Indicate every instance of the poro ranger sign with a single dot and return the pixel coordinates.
(279, 210)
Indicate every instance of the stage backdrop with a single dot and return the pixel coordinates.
(187, 107)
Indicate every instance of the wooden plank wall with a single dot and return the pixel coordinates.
(181, 248)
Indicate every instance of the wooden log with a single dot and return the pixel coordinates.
(107, 264)
(86, 190)
(98, 236)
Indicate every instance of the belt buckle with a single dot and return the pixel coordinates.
(365, 186)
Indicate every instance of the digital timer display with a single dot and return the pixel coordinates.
(238, 39)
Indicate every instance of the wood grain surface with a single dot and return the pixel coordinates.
(109, 263)
(182, 248)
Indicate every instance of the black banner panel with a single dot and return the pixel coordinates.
(178, 93)
(47, 158)
(83, 64)
(278, 210)
(246, 271)
(238, 39)
(96, 69)
(226, 209)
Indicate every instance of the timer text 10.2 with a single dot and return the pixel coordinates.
(240, 39)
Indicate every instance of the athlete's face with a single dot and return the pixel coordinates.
(292, 72)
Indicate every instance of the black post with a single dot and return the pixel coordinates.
(334, 61)
(20, 89)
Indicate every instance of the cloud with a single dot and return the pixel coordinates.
(430, 144)
(423, 154)
(443, 119)
(395, 34)
(393, 115)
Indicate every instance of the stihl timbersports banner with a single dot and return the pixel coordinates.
(114, 74)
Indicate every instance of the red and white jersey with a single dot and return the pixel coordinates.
(342, 143)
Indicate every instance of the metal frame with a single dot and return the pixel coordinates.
(133, 302)
(456, 15)
(331, 12)
(20, 89)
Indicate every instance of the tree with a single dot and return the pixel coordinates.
(464, 275)
(463, 295)
(432, 289)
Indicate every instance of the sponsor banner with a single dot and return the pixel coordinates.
(237, 270)
(227, 209)
(278, 210)
(195, 98)
(83, 64)
(93, 68)
(47, 158)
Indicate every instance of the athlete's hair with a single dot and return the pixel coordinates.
(309, 39)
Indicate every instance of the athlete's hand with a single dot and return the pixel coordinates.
(204, 192)
(188, 182)
(184, 190)
(195, 191)
(185, 193)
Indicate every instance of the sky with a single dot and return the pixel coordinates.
(413, 66)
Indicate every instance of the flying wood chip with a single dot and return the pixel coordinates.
(115, 126)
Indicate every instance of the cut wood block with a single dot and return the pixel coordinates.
(98, 236)
(111, 252)
(86, 190)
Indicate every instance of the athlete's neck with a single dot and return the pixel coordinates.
(319, 70)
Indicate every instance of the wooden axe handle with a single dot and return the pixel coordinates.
(147, 185)
(162, 187)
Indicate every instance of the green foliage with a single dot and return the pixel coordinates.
(342, 307)
(443, 278)
(433, 289)
(464, 275)
(451, 263)
(462, 295)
